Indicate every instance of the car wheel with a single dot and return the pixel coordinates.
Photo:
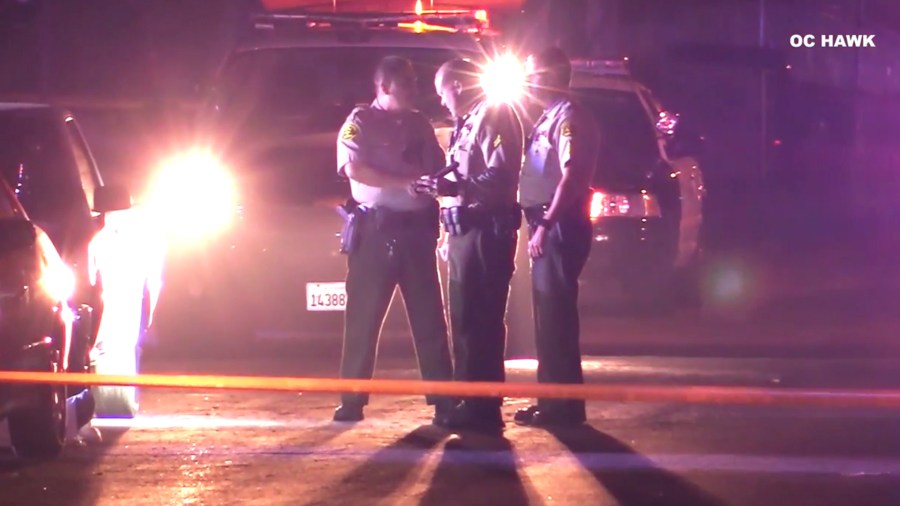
(39, 432)
(687, 286)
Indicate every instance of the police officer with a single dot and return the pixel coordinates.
(560, 158)
(482, 220)
(383, 148)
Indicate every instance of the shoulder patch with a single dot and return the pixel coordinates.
(565, 129)
(350, 131)
(497, 141)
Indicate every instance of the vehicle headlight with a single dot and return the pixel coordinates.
(503, 79)
(630, 205)
(194, 196)
(59, 281)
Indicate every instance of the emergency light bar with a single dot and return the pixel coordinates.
(432, 20)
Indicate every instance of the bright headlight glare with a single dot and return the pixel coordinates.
(503, 79)
(60, 282)
(194, 195)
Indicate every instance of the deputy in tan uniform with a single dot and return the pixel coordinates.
(560, 159)
(383, 149)
(482, 219)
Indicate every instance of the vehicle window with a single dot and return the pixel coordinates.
(83, 161)
(627, 136)
(35, 160)
(286, 82)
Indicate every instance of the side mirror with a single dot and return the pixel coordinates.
(16, 234)
(112, 198)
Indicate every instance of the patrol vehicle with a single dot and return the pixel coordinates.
(252, 194)
(261, 258)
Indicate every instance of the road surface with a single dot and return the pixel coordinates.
(216, 447)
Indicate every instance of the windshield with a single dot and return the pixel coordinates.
(36, 163)
(310, 81)
(627, 138)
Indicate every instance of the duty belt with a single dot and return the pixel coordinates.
(389, 220)
(535, 213)
(581, 211)
(459, 220)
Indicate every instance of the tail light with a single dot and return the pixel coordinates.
(629, 205)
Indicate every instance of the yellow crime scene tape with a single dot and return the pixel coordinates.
(855, 398)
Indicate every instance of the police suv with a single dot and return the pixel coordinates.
(260, 257)
(253, 192)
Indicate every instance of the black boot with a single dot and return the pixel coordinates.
(348, 413)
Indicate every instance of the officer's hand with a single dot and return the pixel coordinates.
(425, 185)
(536, 243)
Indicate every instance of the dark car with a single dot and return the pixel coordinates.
(36, 330)
(95, 233)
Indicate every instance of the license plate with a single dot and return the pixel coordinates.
(326, 297)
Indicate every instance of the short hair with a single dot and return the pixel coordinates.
(459, 69)
(554, 61)
(390, 68)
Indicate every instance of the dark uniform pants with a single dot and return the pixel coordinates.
(554, 280)
(391, 254)
(481, 266)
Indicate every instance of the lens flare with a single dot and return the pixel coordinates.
(194, 196)
(503, 79)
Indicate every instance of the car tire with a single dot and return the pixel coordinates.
(39, 433)
(687, 286)
(649, 294)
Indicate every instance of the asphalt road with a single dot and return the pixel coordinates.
(189, 447)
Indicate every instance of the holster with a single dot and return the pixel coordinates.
(350, 213)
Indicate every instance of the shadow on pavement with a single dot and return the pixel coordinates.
(10, 465)
(644, 484)
(71, 479)
(475, 471)
(387, 470)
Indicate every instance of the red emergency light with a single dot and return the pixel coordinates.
(376, 15)
(387, 5)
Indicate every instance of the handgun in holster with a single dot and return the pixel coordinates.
(350, 213)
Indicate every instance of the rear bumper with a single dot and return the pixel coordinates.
(247, 292)
(625, 246)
